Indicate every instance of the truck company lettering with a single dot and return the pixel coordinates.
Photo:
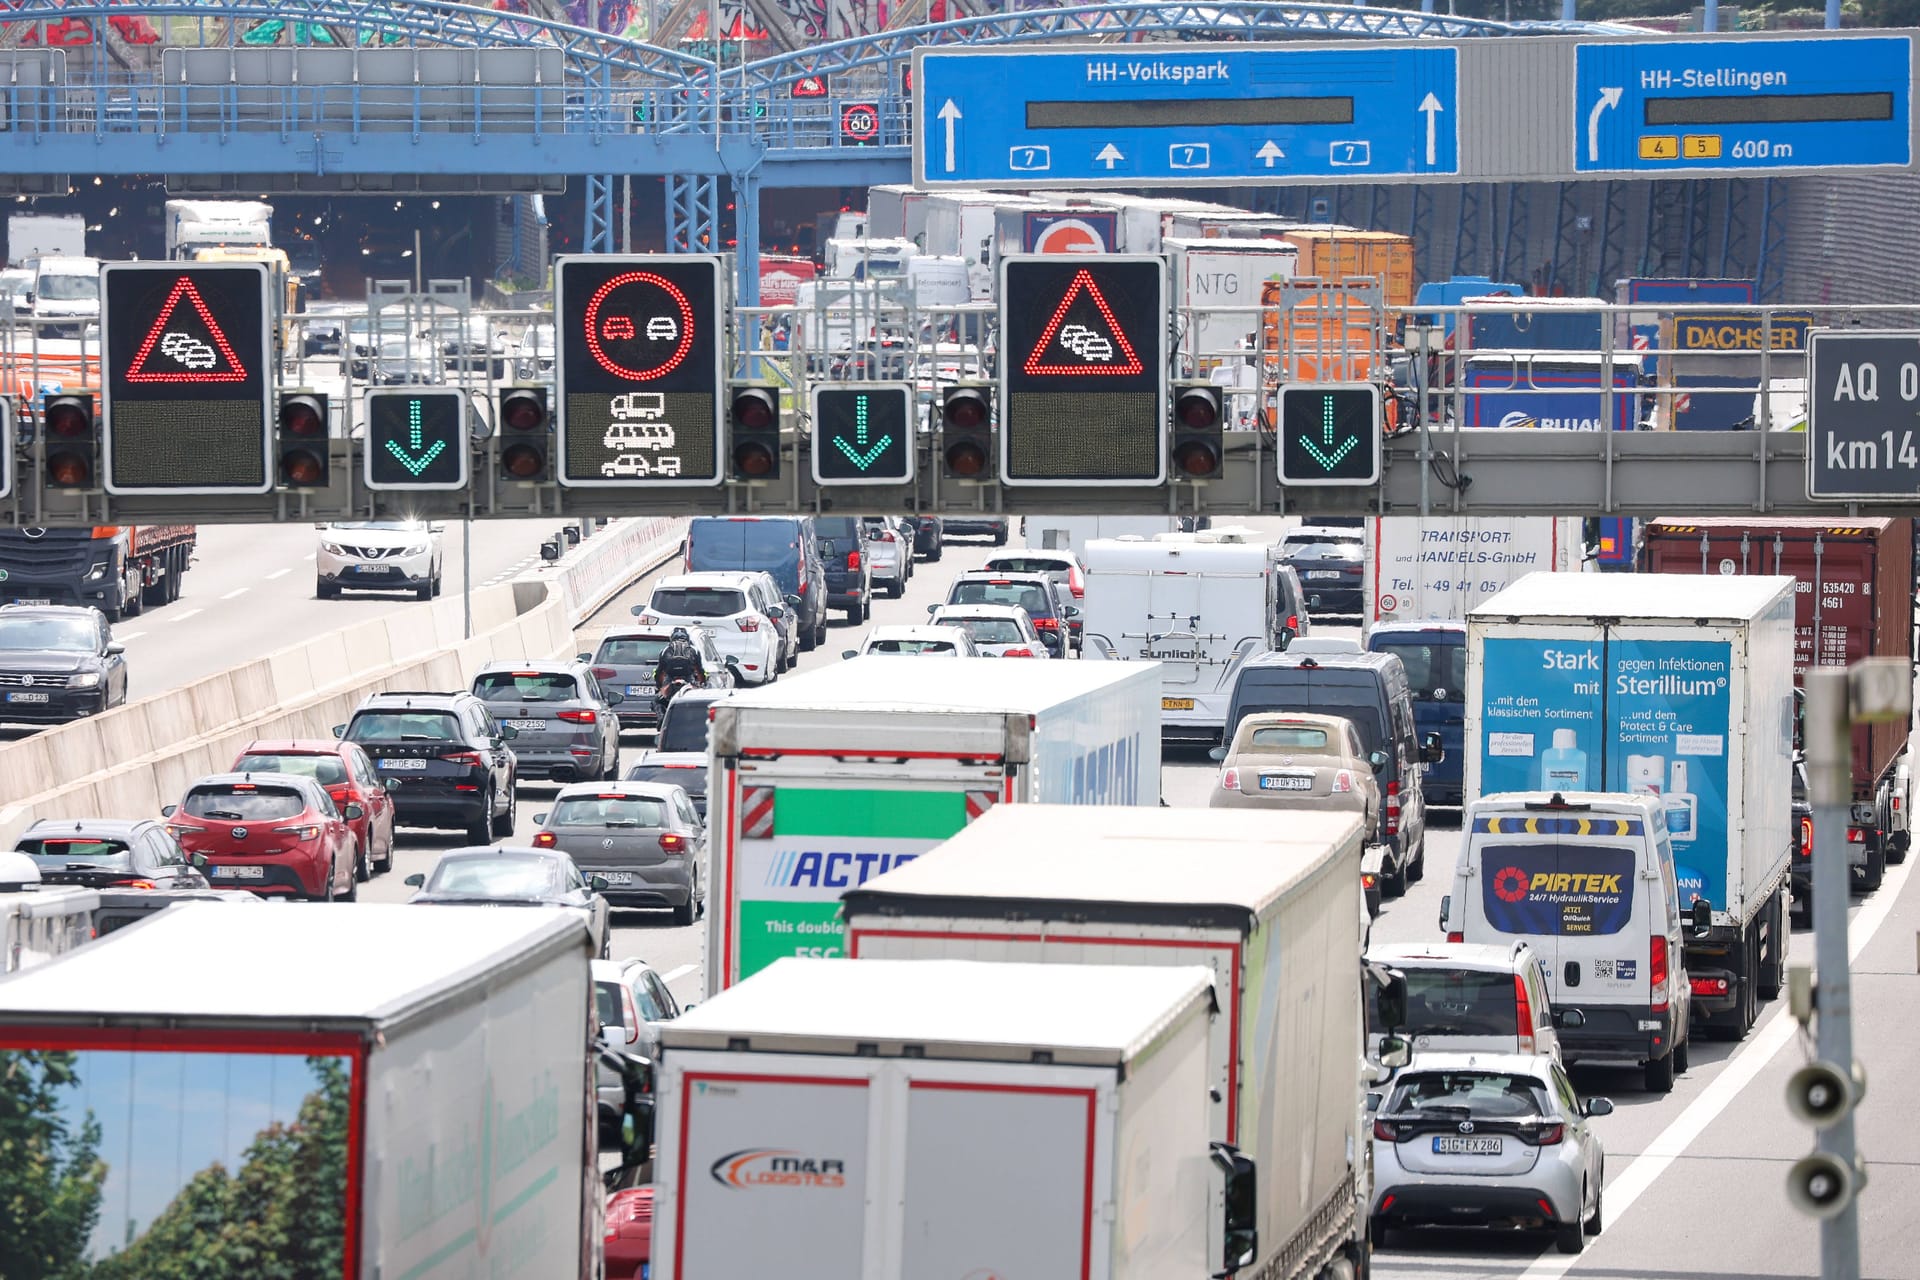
(1106, 775)
(1547, 882)
(1741, 333)
(518, 1135)
(766, 1167)
(1172, 655)
(831, 869)
(1466, 535)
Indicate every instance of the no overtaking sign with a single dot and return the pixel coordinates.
(1863, 414)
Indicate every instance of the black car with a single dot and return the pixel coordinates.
(994, 527)
(1034, 592)
(929, 532)
(679, 757)
(58, 663)
(1800, 842)
(107, 853)
(1331, 563)
(448, 755)
(843, 550)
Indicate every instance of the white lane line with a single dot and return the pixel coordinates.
(674, 975)
(278, 573)
(121, 637)
(182, 617)
(1750, 1061)
(237, 591)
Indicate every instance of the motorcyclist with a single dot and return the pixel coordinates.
(678, 663)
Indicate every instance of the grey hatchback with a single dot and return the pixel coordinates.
(564, 723)
(644, 839)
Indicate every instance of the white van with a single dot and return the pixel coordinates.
(1587, 879)
(1198, 609)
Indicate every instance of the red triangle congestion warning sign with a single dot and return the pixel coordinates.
(1095, 345)
(185, 344)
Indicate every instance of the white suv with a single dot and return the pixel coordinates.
(723, 603)
(378, 555)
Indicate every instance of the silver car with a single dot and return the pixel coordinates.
(1488, 1139)
(624, 664)
(631, 1001)
(508, 876)
(643, 838)
(890, 551)
(564, 723)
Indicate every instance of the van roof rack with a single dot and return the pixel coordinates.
(1558, 802)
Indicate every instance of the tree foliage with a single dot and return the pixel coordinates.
(50, 1177)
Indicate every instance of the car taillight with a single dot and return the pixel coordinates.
(579, 717)
(748, 623)
(1456, 937)
(671, 843)
(1229, 779)
(1709, 986)
(1386, 1132)
(1016, 653)
(1856, 835)
(340, 795)
(1368, 880)
(647, 620)
(1550, 1135)
(1806, 837)
(1342, 781)
(1523, 1013)
(471, 759)
(134, 884)
(1075, 585)
(853, 559)
(1293, 622)
(604, 673)
(543, 839)
(1393, 808)
(299, 833)
(886, 537)
(1046, 624)
(1657, 971)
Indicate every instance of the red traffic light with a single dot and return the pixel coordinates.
(1197, 459)
(302, 416)
(964, 408)
(754, 408)
(524, 410)
(965, 458)
(752, 459)
(70, 417)
(1198, 408)
(302, 469)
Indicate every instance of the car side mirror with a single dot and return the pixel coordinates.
(733, 662)
(614, 699)
(1394, 1052)
(114, 648)
(339, 731)
(793, 602)
(1373, 1103)
(1377, 759)
(1597, 1107)
(353, 813)
(1431, 752)
(583, 657)
(391, 784)
(597, 883)
(414, 881)
(1569, 1019)
(776, 612)
(1391, 999)
(932, 607)
(1446, 909)
(849, 653)
(508, 733)
(539, 819)
(1217, 753)
(198, 861)
(1240, 1237)
(168, 810)
(1069, 611)
(1702, 917)
(637, 610)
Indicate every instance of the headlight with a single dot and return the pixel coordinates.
(417, 549)
(331, 548)
(83, 680)
(98, 572)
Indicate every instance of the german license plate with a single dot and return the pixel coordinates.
(529, 726)
(617, 877)
(1323, 573)
(26, 697)
(402, 766)
(240, 873)
(1285, 782)
(33, 600)
(1176, 704)
(1466, 1146)
(637, 690)
(373, 568)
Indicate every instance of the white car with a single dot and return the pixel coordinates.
(997, 630)
(662, 329)
(920, 642)
(723, 604)
(378, 555)
(638, 464)
(889, 553)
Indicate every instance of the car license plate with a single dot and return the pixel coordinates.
(637, 690)
(402, 766)
(1323, 573)
(373, 568)
(1466, 1146)
(26, 697)
(529, 726)
(617, 877)
(1176, 704)
(33, 600)
(240, 873)
(1285, 782)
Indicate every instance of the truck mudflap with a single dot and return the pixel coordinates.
(1331, 1227)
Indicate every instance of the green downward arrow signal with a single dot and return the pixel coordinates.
(1329, 457)
(416, 462)
(866, 459)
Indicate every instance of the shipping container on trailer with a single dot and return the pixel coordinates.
(833, 1121)
(823, 781)
(1274, 911)
(1338, 254)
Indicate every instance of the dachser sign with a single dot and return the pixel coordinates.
(1740, 333)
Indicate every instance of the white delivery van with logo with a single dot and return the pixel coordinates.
(821, 782)
(1587, 879)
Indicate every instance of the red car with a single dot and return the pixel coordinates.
(272, 833)
(344, 769)
(629, 1233)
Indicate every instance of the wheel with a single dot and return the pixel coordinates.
(326, 890)
(1418, 867)
(1569, 1237)
(853, 616)
(1393, 881)
(176, 570)
(1683, 1056)
(479, 831)
(1870, 877)
(436, 582)
(503, 823)
(1660, 1074)
(1897, 848)
(325, 590)
(933, 556)
(385, 864)
(424, 591)
(819, 633)
(156, 594)
(362, 864)
(866, 607)
(895, 590)
(1773, 970)
(1000, 538)
(683, 915)
(808, 638)
(353, 887)
(1382, 1233)
(1595, 1223)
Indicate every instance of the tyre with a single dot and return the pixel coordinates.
(1683, 1055)
(1000, 538)
(362, 864)
(176, 570)
(1596, 1222)
(1569, 1237)
(866, 607)
(382, 865)
(326, 890)
(1870, 877)
(1897, 848)
(933, 556)
(436, 582)
(503, 823)
(353, 888)
(479, 831)
(1393, 881)
(424, 591)
(1773, 969)
(809, 637)
(1381, 1233)
(1418, 867)
(683, 915)
(819, 633)
(895, 590)
(325, 590)
(853, 616)
(1660, 1075)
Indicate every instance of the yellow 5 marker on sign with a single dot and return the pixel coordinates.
(1700, 146)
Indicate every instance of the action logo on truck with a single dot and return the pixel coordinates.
(1558, 890)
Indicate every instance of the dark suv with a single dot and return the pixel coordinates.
(1034, 592)
(1331, 562)
(58, 662)
(843, 550)
(106, 853)
(448, 756)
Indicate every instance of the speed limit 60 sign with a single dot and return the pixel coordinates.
(1863, 414)
(860, 124)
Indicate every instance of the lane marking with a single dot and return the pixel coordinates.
(122, 637)
(1752, 1058)
(237, 591)
(278, 573)
(672, 976)
(182, 617)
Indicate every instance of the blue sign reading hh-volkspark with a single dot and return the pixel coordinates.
(1185, 115)
(1702, 106)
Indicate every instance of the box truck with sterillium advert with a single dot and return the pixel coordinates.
(820, 783)
(1273, 911)
(941, 1120)
(1674, 686)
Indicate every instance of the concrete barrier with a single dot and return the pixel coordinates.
(130, 761)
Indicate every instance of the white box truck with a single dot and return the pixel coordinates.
(426, 1071)
(880, 1121)
(1274, 911)
(1217, 287)
(1073, 533)
(821, 782)
(1196, 610)
(1676, 685)
(1422, 568)
(193, 225)
(45, 235)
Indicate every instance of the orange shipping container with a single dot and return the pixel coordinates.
(1326, 341)
(1341, 253)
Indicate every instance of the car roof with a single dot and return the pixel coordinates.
(979, 611)
(1519, 1064)
(641, 790)
(916, 631)
(975, 575)
(47, 610)
(539, 666)
(1331, 532)
(496, 850)
(1488, 956)
(1268, 719)
(295, 747)
(704, 578)
(1425, 626)
(86, 827)
(428, 699)
(1640, 806)
(1063, 557)
(1282, 660)
(293, 780)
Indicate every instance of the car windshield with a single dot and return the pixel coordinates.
(69, 635)
(1320, 549)
(404, 726)
(609, 810)
(1024, 564)
(328, 771)
(1495, 1095)
(720, 543)
(914, 647)
(836, 528)
(1451, 1002)
(630, 653)
(495, 875)
(685, 727)
(988, 630)
(698, 602)
(524, 686)
(1288, 737)
(1435, 672)
(55, 852)
(1022, 595)
(387, 526)
(68, 288)
(243, 802)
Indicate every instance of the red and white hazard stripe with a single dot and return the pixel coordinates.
(756, 813)
(978, 802)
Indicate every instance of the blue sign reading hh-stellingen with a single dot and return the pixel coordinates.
(1703, 106)
(1188, 115)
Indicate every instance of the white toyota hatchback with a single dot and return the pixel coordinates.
(721, 603)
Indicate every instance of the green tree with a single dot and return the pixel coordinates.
(50, 1192)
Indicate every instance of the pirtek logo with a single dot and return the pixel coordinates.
(1513, 884)
(768, 1167)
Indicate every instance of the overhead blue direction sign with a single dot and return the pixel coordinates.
(1706, 106)
(1189, 115)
